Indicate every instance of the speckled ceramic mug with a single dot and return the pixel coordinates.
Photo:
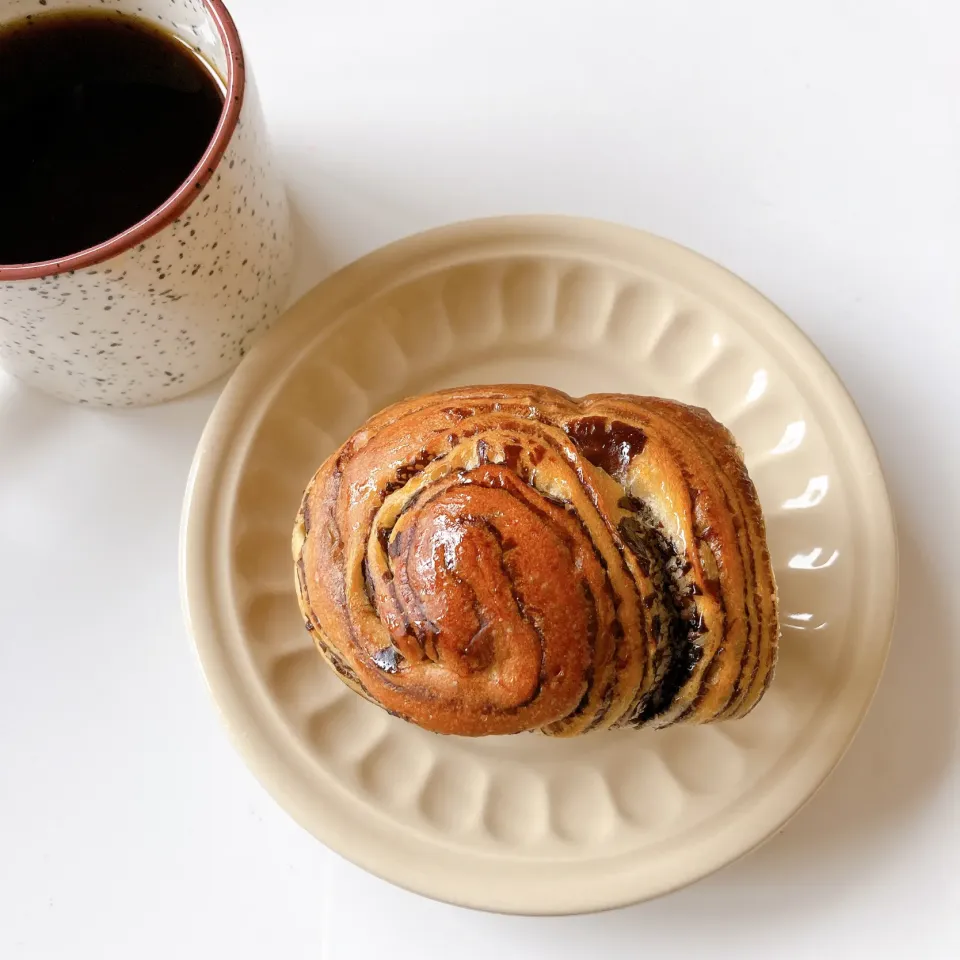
(174, 301)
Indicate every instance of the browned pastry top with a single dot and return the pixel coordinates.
(491, 560)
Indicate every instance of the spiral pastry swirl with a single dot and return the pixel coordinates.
(491, 560)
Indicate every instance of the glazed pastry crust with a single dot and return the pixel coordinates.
(491, 560)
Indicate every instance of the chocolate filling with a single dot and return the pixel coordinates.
(679, 628)
(388, 659)
(609, 445)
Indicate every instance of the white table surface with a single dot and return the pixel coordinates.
(814, 148)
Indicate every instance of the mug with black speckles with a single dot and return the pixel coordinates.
(173, 301)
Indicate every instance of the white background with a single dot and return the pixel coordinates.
(813, 148)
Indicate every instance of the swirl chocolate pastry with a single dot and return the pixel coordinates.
(491, 560)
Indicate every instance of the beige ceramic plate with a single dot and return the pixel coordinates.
(528, 824)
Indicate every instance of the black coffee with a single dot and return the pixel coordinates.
(102, 118)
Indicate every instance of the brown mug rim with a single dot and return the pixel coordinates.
(186, 193)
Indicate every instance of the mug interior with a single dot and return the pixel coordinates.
(207, 28)
(190, 20)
